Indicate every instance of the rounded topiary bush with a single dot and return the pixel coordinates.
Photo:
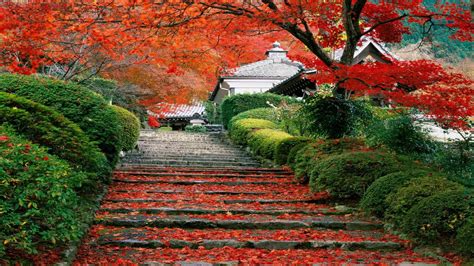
(264, 142)
(438, 217)
(239, 103)
(37, 196)
(400, 202)
(242, 128)
(130, 128)
(46, 127)
(348, 175)
(269, 114)
(373, 201)
(465, 238)
(307, 158)
(77, 103)
(283, 149)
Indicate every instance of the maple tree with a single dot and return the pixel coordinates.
(93, 35)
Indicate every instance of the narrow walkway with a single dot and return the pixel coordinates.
(194, 199)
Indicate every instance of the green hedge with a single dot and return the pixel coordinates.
(348, 175)
(195, 128)
(37, 198)
(465, 237)
(130, 128)
(438, 217)
(374, 202)
(264, 142)
(400, 202)
(291, 159)
(242, 128)
(308, 157)
(284, 148)
(44, 126)
(258, 113)
(77, 103)
(237, 104)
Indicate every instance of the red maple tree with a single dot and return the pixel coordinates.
(84, 35)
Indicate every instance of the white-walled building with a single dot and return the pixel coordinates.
(258, 77)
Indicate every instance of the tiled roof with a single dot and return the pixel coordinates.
(174, 111)
(363, 44)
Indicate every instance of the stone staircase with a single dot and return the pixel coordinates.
(194, 199)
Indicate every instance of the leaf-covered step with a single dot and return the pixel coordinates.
(157, 169)
(141, 221)
(263, 244)
(196, 192)
(240, 201)
(220, 175)
(225, 211)
(190, 183)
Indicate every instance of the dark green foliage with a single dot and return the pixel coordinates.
(465, 237)
(333, 117)
(400, 135)
(237, 104)
(264, 142)
(400, 202)
(457, 161)
(310, 155)
(213, 112)
(130, 128)
(37, 198)
(269, 114)
(348, 175)
(242, 128)
(291, 159)
(438, 217)
(283, 149)
(80, 105)
(373, 201)
(44, 126)
(116, 95)
(195, 128)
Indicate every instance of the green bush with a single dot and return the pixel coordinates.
(400, 202)
(165, 129)
(242, 128)
(400, 135)
(239, 103)
(465, 238)
(291, 160)
(438, 217)
(77, 103)
(264, 142)
(258, 113)
(37, 198)
(333, 117)
(283, 149)
(373, 201)
(213, 112)
(348, 175)
(130, 128)
(44, 126)
(195, 129)
(308, 157)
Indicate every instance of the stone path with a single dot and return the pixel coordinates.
(194, 199)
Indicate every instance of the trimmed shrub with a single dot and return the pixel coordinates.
(264, 142)
(165, 129)
(130, 128)
(373, 201)
(294, 152)
(242, 128)
(400, 202)
(400, 135)
(465, 238)
(239, 103)
(37, 196)
(283, 149)
(438, 217)
(195, 129)
(333, 117)
(44, 126)
(348, 175)
(77, 103)
(309, 156)
(269, 114)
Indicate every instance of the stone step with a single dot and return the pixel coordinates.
(262, 171)
(136, 173)
(148, 165)
(175, 163)
(262, 244)
(248, 201)
(190, 223)
(188, 157)
(196, 182)
(190, 160)
(174, 211)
